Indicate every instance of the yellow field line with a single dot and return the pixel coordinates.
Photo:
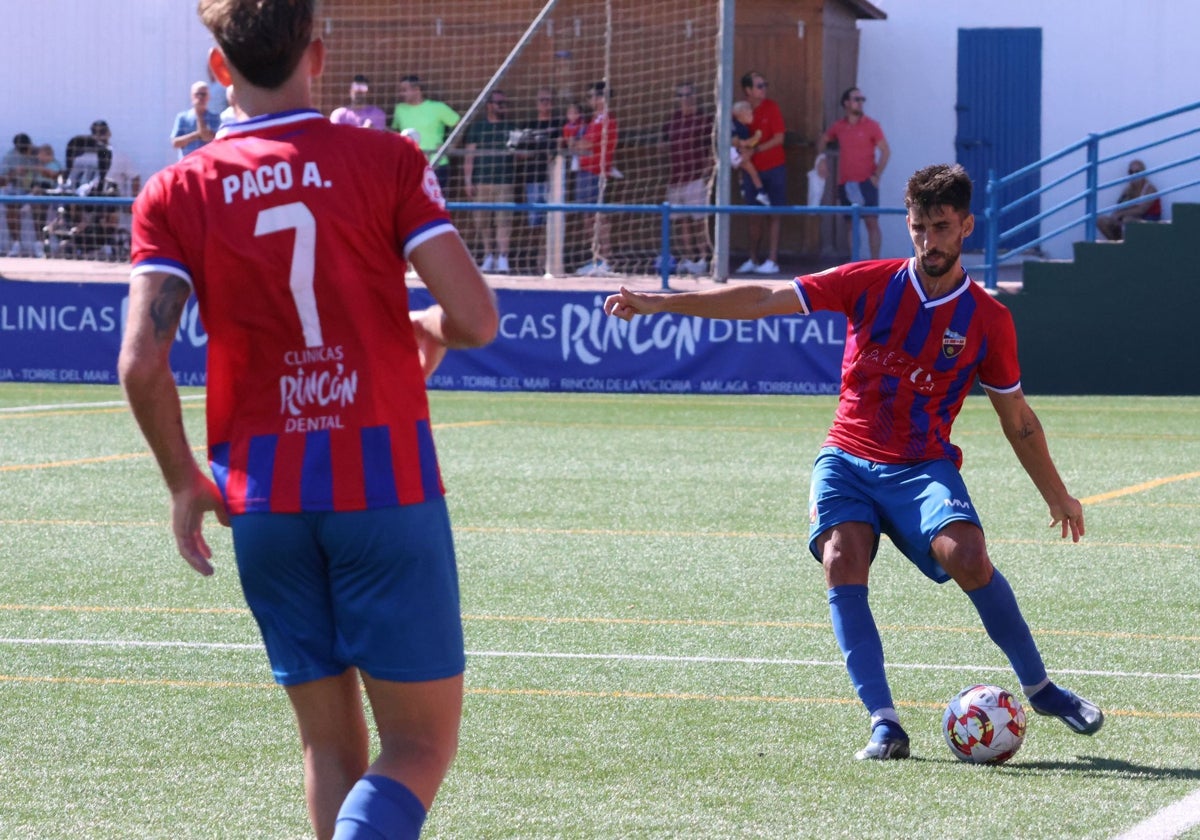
(1138, 488)
(100, 459)
(84, 608)
(14, 678)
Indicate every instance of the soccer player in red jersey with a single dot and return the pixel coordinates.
(295, 234)
(920, 333)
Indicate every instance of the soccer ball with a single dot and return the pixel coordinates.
(984, 724)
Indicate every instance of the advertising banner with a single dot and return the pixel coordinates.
(548, 341)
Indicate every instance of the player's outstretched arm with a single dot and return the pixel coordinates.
(466, 315)
(155, 305)
(740, 301)
(1028, 440)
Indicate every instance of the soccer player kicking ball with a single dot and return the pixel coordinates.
(920, 332)
(294, 234)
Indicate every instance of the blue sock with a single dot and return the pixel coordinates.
(858, 637)
(997, 607)
(379, 808)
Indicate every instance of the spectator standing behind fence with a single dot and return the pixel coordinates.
(596, 148)
(360, 111)
(572, 130)
(1150, 210)
(489, 176)
(535, 146)
(771, 162)
(18, 172)
(120, 169)
(48, 170)
(687, 142)
(429, 119)
(197, 125)
(859, 167)
(741, 147)
(340, 530)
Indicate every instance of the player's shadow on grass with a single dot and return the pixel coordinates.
(1094, 765)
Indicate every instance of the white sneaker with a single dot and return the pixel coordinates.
(502, 265)
(488, 264)
(748, 267)
(763, 199)
(699, 266)
(768, 267)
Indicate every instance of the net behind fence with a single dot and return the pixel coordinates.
(642, 53)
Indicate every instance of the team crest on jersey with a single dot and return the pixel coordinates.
(952, 343)
(433, 189)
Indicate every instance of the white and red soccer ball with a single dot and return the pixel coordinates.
(984, 724)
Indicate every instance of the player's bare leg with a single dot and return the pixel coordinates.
(333, 734)
(418, 731)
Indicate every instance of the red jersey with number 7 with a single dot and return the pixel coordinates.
(294, 234)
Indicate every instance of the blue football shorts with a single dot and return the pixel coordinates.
(373, 589)
(911, 503)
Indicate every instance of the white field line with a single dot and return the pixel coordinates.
(14, 409)
(613, 657)
(1167, 823)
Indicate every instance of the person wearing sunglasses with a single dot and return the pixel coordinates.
(489, 177)
(863, 154)
(770, 161)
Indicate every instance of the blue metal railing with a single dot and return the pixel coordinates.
(1082, 175)
(666, 210)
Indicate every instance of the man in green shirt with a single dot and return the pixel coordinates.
(428, 119)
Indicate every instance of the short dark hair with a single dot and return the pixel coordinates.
(847, 92)
(22, 141)
(600, 88)
(412, 80)
(944, 184)
(360, 79)
(263, 39)
(748, 78)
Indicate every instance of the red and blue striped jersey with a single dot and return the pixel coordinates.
(909, 360)
(294, 235)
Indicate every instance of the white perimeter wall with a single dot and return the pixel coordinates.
(66, 63)
(1105, 63)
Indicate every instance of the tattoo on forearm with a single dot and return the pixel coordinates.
(1029, 426)
(167, 306)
